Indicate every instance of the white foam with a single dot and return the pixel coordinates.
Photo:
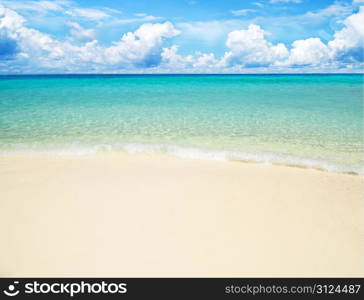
(262, 157)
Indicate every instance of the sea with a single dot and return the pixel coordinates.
(309, 120)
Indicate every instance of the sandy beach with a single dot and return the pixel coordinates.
(139, 215)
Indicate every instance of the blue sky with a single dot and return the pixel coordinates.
(192, 36)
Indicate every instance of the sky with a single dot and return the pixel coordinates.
(181, 36)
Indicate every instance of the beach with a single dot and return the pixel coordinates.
(123, 215)
(181, 175)
(218, 140)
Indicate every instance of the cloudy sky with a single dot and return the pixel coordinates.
(181, 36)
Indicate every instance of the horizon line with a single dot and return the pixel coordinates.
(166, 74)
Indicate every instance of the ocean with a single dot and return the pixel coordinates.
(312, 121)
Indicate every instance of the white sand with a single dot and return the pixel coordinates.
(139, 215)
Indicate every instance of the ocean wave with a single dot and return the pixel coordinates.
(262, 157)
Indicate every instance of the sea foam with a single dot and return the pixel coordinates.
(261, 157)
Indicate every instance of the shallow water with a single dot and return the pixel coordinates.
(306, 120)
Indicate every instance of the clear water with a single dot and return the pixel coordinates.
(307, 120)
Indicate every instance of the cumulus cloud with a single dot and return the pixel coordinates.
(250, 48)
(346, 47)
(10, 23)
(306, 52)
(199, 62)
(25, 48)
(205, 60)
(348, 43)
(171, 59)
(29, 44)
(142, 48)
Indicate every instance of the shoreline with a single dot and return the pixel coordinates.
(199, 154)
(153, 215)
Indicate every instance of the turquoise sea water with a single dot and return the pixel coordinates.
(306, 120)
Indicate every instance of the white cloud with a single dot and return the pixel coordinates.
(37, 6)
(209, 31)
(61, 7)
(199, 62)
(171, 59)
(141, 18)
(259, 4)
(66, 10)
(29, 49)
(10, 20)
(307, 52)
(142, 48)
(336, 9)
(79, 33)
(29, 42)
(346, 47)
(348, 43)
(10, 24)
(204, 60)
(51, 5)
(250, 48)
(242, 12)
(87, 13)
(285, 1)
